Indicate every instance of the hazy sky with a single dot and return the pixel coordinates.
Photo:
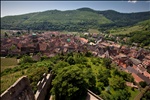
(23, 7)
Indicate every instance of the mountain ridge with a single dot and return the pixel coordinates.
(82, 9)
(72, 20)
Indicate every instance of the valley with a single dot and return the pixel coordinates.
(106, 52)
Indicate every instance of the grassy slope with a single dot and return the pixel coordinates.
(8, 63)
(126, 30)
(133, 93)
(9, 79)
(93, 31)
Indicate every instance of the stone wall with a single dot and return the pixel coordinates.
(43, 86)
(96, 97)
(20, 90)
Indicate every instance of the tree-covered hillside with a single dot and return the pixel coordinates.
(125, 19)
(55, 20)
(72, 20)
(138, 34)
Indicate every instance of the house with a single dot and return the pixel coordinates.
(137, 79)
(4, 52)
(65, 50)
(31, 47)
(147, 56)
(121, 60)
(43, 47)
(14, 52)
(145, 73)
(131, 85)
(137, 65)
(83, 40)
(146, 63)
(135, 61)
(106, 55)
(146, 79)
(125, 50)
(140, 68)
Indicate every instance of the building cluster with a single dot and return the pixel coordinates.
(130, 59)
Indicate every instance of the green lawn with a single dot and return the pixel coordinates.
(8, 63)
(133, 93)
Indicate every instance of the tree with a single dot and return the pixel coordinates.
(91, 80)
(26, 59)
(107, 62)
(117, 82)
(35, 75)
(143, 84)
(103, 75)
(88, 54)
(121, 94)
(13, 47)
(6, 35)
(146, 96)
(71, 60)
(60, 65)
(69, 84)
(106, 96)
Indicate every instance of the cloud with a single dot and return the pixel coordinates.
(132, 1)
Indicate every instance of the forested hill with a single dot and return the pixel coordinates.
(72, 20)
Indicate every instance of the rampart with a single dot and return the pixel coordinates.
(93, 94)
(20, 90)
(43, 87)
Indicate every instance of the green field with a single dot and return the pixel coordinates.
(133, 93)
(2, 33)
(93, 31)
(9, 79)
(125, 30)
(8, 63)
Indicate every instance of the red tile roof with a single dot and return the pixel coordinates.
(136, 78)
(146, 74)
(42, 46)
(83, 40)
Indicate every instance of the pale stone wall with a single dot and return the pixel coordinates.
(43, 87)
(20, 90)
(92, 96)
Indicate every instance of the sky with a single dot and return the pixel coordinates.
(23, 7)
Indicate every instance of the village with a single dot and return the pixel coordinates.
(129, 59)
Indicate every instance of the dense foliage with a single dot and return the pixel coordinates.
(124, 19)
(136, 35)
(92, 73)
(141, 37)
(146, 96)
(75, 73)
(69, 84)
